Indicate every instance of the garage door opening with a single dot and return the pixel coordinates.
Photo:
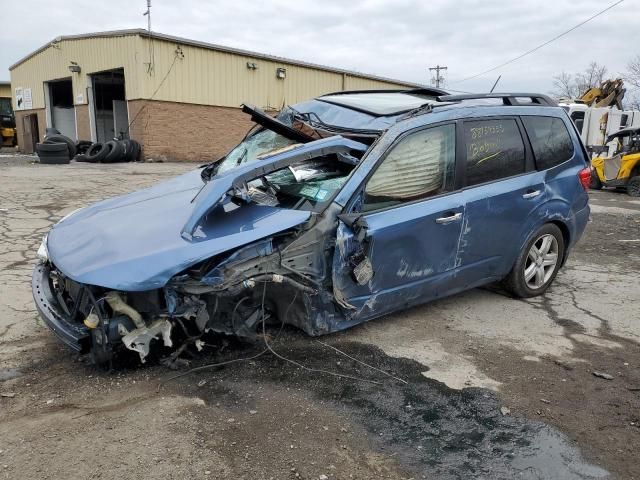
(63, 115)
(110, 105)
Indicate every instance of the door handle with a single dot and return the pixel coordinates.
(448, 219)
(531, 194)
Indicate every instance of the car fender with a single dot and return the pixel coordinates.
(554, 210)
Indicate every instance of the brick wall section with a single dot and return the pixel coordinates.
(42, 125)
(171, 131)
(82, 122)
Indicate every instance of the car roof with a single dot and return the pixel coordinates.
(396, 102)
(383, 102)
(378, 110)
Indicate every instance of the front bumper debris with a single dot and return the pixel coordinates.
(76, 336)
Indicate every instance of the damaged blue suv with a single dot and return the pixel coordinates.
(338, 210)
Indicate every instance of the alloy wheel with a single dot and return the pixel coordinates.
(541, 261)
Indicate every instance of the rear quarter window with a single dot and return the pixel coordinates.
(495, 150)
(550, 141)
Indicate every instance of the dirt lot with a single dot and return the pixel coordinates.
(496, 388)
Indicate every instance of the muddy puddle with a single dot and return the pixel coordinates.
(9, 374)
(433, 431)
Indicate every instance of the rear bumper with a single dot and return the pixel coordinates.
(580, 223)
(73, 335)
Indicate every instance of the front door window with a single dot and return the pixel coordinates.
(420, 166)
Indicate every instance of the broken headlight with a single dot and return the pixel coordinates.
(43, 251)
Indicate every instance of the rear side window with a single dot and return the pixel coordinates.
(550, 141)
(494, 150)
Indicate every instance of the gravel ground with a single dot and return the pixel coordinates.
(496, 387)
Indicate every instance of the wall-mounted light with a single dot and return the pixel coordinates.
(281, 73)
(74, 67)
(252, 65)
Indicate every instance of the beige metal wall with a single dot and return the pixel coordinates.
(209, 77)
(92, 54)
(198, 75)
(5, 91)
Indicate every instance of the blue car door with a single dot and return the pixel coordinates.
(502, 192)
(398, 244)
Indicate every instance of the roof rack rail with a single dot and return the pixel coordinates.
(507, 98)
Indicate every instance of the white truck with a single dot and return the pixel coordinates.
(598, 113)
(595, 124)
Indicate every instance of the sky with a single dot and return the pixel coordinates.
(393, 38)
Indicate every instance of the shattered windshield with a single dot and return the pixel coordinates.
(253, 147)
(308, 185)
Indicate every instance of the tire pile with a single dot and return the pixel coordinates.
(57, 149)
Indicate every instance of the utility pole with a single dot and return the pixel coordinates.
(148, 15)
(438, 79)
(152, 53)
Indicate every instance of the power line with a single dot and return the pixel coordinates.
(542, 44)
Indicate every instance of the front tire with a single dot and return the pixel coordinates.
(633, 187)
(538, 263)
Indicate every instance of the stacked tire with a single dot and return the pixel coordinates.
(112, 151)
(56, 149)
(60, 149)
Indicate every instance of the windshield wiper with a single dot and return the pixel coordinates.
(424, 108)
(243, 156)
(209, 169)
(318, 122)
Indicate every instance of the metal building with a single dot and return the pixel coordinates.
(5, 89)
(179, 98)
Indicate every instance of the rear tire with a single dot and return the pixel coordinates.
(633, 187)
(538, 263)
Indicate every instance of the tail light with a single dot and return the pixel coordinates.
(584, 176)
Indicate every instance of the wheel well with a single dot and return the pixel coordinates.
(565, 236)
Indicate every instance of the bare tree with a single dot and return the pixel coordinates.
(593, 76)
(633, 72)
(564, 86)
(567, 85)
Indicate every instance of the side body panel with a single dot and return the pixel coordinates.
(496, 216)
(411, 255)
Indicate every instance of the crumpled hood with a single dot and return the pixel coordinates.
(133, 242)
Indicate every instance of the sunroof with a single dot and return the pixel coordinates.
(379, 103)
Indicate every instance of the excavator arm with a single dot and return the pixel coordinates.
(609, 93)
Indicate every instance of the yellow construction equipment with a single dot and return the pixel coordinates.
(609, 93)
(622, 169)
(7, 123)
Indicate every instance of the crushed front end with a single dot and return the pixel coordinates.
(159, 269)
(234, 294)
